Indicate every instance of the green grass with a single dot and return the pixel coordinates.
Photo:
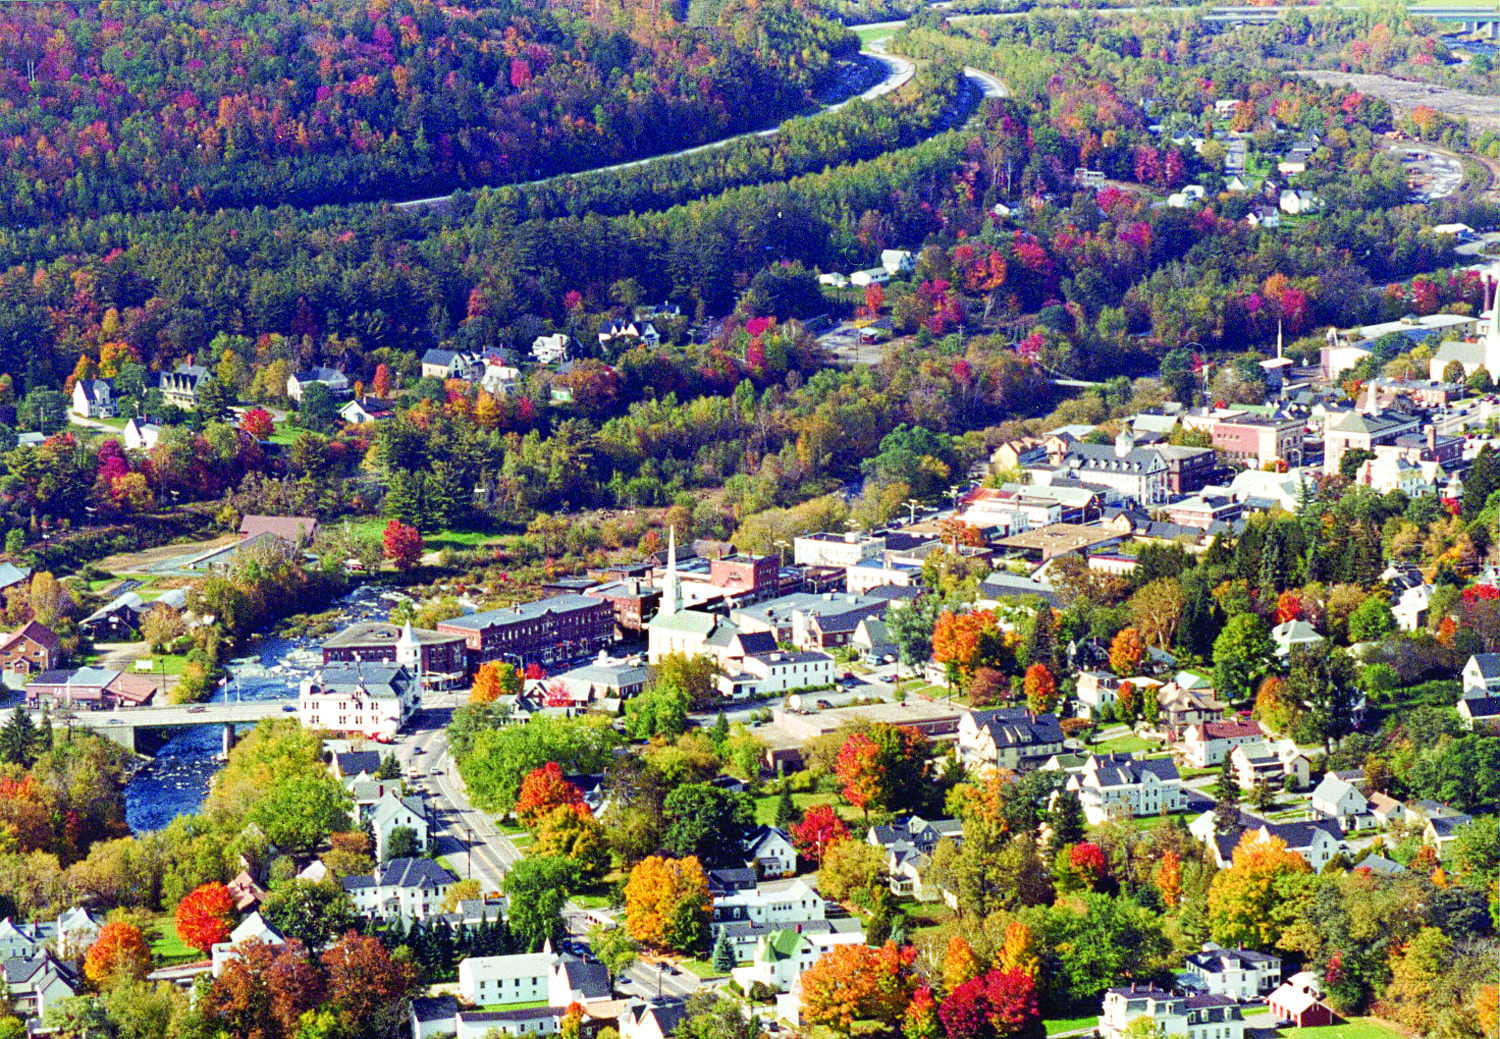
(1070, 1024)
(374, 527)
(167, 664)
(765, 806)
(167, 949)
(1121, 744)
(534, 1004)
(702, 968)
(926, 916)
(585, 901)
(869, 33)
(1353, 1028)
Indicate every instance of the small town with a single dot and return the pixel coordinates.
(834, 519)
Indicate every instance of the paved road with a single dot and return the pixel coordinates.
(171, 715)
(899, 72)
(466, 835)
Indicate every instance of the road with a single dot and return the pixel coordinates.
(246, 713)
(467, 836)
(899, 72)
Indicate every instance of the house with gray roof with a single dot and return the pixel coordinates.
(1008, 737)
(336, 381)
(36, 983)
(20, 940)
(1112, 785)
(95, 398)
(1481, 675)
(393, 812)
(1242, 974)
(1316, 840)
(179, 387)
(412, 889)
(1338, 799)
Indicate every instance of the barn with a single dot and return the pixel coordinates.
(1300, 1006)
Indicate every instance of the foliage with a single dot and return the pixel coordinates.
(120, 951)
(850, 983)
(884, 768)
(495, 678)
(543, 791)
(667, 903)
(819, 830)
(203, 917)
(311, 911)
(495, 761)
(537, 890)
(402, 544)
(1254, 899)
(997, 1004)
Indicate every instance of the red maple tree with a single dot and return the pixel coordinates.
(544, 790)
(819, 830)
(991, 1006)
(403, 544)
(203, 916)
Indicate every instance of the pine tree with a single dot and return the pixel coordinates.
(42, 744)
(786, 811)
(724, 959)
(17, 739)
(720, 731)
(1226, 799)
(1066, 818)
(1040, 646)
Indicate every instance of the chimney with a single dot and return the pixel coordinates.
(1432, 439)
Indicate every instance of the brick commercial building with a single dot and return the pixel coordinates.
(439, 659)
(1256, 440)
(559, 628)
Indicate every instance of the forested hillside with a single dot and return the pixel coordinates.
(108, 106)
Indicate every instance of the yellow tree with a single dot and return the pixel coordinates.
(959, 963)
(1168, 878)
(1126, 651)
(1252, 901)
(1018, 954)
(119, 951)
(667, 903)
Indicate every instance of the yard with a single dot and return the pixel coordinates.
(1353, 1028)
(1061, 1025)
(436, 542)
(765, 807)
(167, 949)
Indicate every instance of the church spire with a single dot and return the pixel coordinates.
(671, 601)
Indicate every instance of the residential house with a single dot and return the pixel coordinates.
(179, 387)
(551, 349)
(1412, 607)
(35, 984)
(769, 851)
(19, 941)
(1364, 430)
(1386, 810)
(869, 276)
(366, 411)
(607, 682)
(1192, 1017)
(394, 812)
(644, 331)
(909, 845)
(92, 688)
(1480, 713)
(409, 888)
(431, 1016)
(573, 979)
(1097, 691)
(834, 279)
(1268, 217)
(1113, 785)
(897, 261)
(1316, 840)
(1186, 701)
(95, 398)
(254, 928)
(30, 649)
(656, 1020)
(1135, 473)
(141, 436)
(521, 1021)
(354, 766)
(745, 915)
(1241, 974)
(449, 364)
(373, 700)
(1008, 737)
(1297, 1003)
(1277, 763)
(1337, 799)
(1207, 744)
(117, 620)
(785, 954)
(1442, 830)
(76, 930)
(500, 380)
(246, 891)
(1288, 635)
(336, 381)
(1481, 675)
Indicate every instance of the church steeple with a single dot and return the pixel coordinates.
(671, 600)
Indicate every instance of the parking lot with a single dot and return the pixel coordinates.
(1430, 174)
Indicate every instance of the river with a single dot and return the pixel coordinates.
(175, 781)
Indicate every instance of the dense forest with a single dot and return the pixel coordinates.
(125, 106)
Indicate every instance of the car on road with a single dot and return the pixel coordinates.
(290, 707)
(115, 721)
(436, 772)
(197, 710)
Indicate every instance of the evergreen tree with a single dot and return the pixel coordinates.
(1066, 818)
(1226, 799)
(1481, 481)
(390, 768)
(1040, 646)
(443, 953)
(720, 732)
(724, 959)
(42, 743)
(786, 811)
(17, 739)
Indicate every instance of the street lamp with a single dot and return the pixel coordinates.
(911, 504)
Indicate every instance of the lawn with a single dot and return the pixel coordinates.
(702, 968)
(871, 32)
(1070, 1024)
(1121, 744)
(765, 807)
(586, 901)
(926, 916)
(166, 948)
(533, 1005)
(1353, 1028)
(436, 542)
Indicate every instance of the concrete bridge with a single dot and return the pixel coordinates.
(1474, 18)
(122, 725)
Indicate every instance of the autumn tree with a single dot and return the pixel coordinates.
(258, 423)
(264, 990)
(120, 951)
(852, 871)
(667, 903)
(819, 830)
(403, 544)
(495, 678)
(203, 917)
(1168, 878)
(1018, 952)
(883, 769)
(959, 963)
(991, 1006)
(959, 641)
(850, 983)
(571, 832)
(1126, 652)
(921, 1018)
(543, 791)
(1259, 894)
(1041, 689)
(368, 986)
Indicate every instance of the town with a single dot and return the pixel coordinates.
(733, 520)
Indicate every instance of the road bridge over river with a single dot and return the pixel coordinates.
(122, 725)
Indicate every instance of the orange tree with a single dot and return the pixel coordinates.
(884, 768)
(203, 916)
(1041, 688)
(1259, 894)
(961, 642)
(1126, 651)
(852, 983)
(119, 951)
(667, 903)
(494, 680)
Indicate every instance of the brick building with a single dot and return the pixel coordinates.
(558, 628)
(440, 659)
